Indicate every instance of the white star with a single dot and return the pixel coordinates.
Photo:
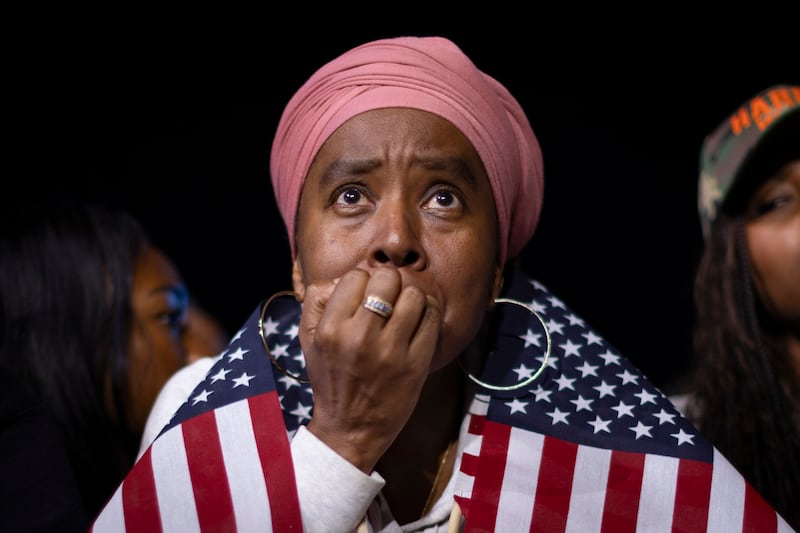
(646, 397)
(665, 417)
(292, 331)
(302, 411)
(641, 429)
(537, 285)
(558, 416)
(288, 382)
(300, 358)
(582, 403)
(600, 425)
(591, 338)
(530, 338)
(270, 327)
(542, 394)
(623, 409)
(627, 377)
(570, 348)
(243, 380)
(575, 320)
(609, 358)
(279, 350)
(238, 334)
(219, 376)
(683, 437)
(605, 389)
(238, 354)
(538, 307)
(517, 406)
(586, 369)
(552, 361)
(555, 327)
(564, 382)
(202, 397)
(555, 302)
(523, 372)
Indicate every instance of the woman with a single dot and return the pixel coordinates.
(423, 376)
(92, 319)
(745, 387)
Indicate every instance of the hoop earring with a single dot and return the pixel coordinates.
(536, 374)
(264, 338)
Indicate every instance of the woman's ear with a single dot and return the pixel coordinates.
(297, 280)
(497, 284)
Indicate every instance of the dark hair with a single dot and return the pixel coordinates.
(746, 392)
(65, 318)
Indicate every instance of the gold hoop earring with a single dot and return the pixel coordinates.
(521, 384)
(264, 337)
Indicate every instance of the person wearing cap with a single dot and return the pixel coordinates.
(418, 380)
(744, 387)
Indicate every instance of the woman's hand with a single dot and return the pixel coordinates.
(366, 371)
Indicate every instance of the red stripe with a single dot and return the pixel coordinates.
(476, 423)
(482, 510)
(759, 517)
(276, 461)
(139, 501)
(554, 486)
(692, 496)
(622, 492)
(207, 471)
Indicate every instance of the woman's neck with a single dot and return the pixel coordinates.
(417, 466)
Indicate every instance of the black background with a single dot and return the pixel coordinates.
(171, 116)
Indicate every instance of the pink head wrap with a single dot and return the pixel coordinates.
(426, 73)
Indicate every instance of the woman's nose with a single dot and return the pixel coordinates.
(397, 240)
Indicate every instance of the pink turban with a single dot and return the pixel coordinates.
(426, 73)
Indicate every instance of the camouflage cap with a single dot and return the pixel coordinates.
(726, 150)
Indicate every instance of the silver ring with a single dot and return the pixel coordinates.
(378, 306)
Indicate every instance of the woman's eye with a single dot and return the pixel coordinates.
(444, 199)
(176, 318)
(350, 196)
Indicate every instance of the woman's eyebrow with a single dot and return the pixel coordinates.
(342, 168)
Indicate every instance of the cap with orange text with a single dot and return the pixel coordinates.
(729, 148)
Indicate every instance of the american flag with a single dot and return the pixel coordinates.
(589, 445)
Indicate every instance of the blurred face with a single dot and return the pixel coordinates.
(160, 304)
(773, 234)
(404, 188)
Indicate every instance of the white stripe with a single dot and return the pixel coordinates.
(515, 508)
(173, 484)
(112, 519)
(657, 499)
(243, 467)
(726, 508)
(783, 527)
(588, 490)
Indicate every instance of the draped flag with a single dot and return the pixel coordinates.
(590, 445)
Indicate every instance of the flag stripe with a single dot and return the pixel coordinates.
(276, 462)
(207, 469)
(515, 507)
(622, 494)
(693, 492)
(136, 495)
(247, 485)
(113, 516)
(588, 490)
(758, 516)
(487, 484)
(726, 501)
(554, 485)
(173, 483)
(657, 497)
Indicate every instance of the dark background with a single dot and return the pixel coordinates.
(172, 118)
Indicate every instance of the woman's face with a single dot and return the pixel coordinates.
(160, 304)
(404, 188)
(773, 234)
